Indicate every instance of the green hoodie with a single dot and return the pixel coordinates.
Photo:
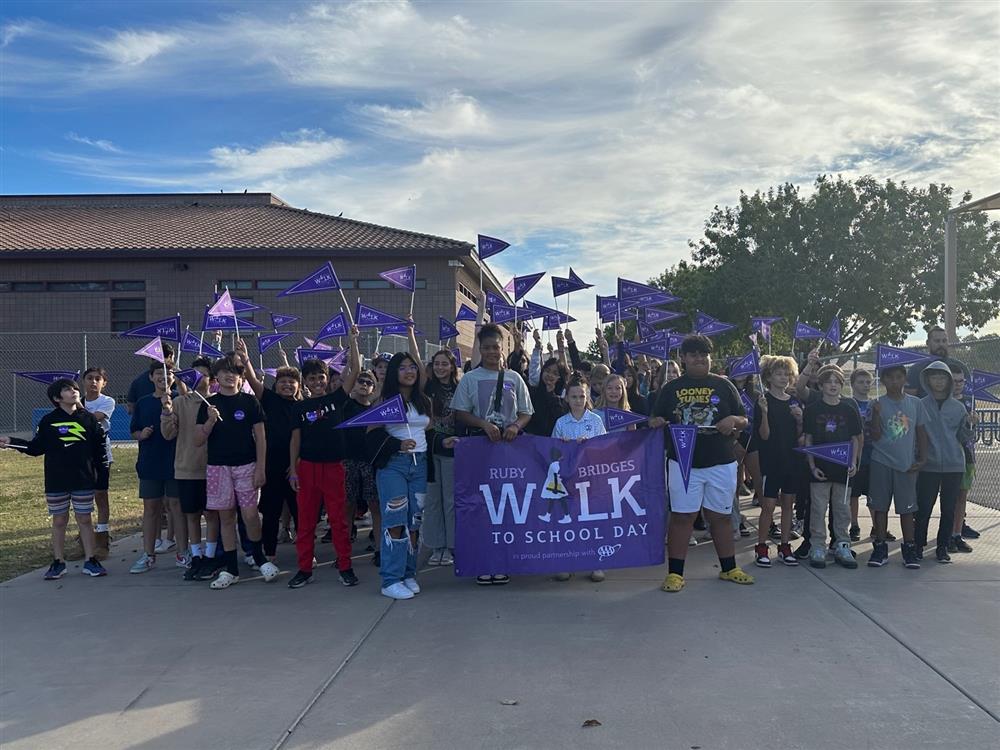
(947, 426)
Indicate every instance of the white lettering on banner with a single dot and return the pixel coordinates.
(632, 530)
(507, 494)
(585, 514)
(597, 470)
(624, 493)
(510, 472)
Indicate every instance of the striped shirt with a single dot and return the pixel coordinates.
(569, 427)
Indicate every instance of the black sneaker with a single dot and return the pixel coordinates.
(879, 556)
(803, 550)
(910, 558)
(56, 570)
(968, 532)
(942, 555)
(300, 579)
(855, 533)
(377, 558)
(889, 536)
(918, 551)
(348, 578)
(774, 532)
(960, 545)
(209, 569)
(196, 565)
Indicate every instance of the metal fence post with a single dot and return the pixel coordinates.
(84, 352)
(15, 402)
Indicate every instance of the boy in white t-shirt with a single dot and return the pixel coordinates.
(102, 407)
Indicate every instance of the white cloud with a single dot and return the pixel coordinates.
(305, 149)
(454, 115)
(98, 143)
(132, 48)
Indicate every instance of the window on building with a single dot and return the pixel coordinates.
(234, 285)
(271, 285)
(467, 293)
(374, 284)
(127, 313)
(4, 286)
(28, 286)
(79, 286)
(128, 286)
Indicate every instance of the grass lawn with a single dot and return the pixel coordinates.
(25, 526)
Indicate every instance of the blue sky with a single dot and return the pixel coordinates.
(599, 135)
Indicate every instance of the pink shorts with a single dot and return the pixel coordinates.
(228, 486)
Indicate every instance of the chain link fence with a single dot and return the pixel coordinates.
(20, 398)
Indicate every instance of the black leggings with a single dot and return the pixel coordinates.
(929, 483)
(273, 497)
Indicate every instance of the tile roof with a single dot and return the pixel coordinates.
(192, 222)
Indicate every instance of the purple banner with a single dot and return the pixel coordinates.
(153, 350)
(683, 437)
(301, 355)
(322, 279)
(541, 505)
(573, 277)
(404, 278)
(888, 356)
(48, 376)
(501, 314)
(654, 316)
(607, 305)
(653, 298)
(615, 419)
(398, 329)
(833, 332)
(465, 313)
(701, 320)
(747, 365)
(985, 395)
(645, 331)
(227, 323)
(446, 330)
(629, 290)
(837, 453)
(168, 328)
(335, 326)
(189, 377)
(715, 327)
(282, 320)
(388, 412)
(267, 341)
(803, 331)
(489, 246)
(369, 317)
(981, 379)
(493, 299)
(524, 284)
(194, 345)
(561, 286)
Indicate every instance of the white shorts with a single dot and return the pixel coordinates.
(713, 488)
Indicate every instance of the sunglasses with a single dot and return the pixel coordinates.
(362, 381)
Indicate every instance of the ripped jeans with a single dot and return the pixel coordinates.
(402, 487)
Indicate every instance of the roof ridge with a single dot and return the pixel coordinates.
(372, 225)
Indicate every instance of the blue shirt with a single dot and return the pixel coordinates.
(569, 427)
(156, 453)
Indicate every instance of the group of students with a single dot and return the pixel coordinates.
(235, 456)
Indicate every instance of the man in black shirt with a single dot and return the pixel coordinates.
(712, 404)
(937, 347)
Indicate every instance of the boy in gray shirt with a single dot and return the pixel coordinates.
(948, 431)
(899, 450)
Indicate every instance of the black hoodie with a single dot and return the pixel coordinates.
(73, 446)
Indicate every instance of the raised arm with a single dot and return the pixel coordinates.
(415, 351)
(353, 360)
(251, 374)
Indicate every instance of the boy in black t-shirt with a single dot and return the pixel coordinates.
(712, 403)
(831, 419)
(233, 427)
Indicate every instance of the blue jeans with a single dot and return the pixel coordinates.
(402, 487)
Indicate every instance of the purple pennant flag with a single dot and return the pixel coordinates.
(524, 284)
(227, 323)
(803, 331)
(683, 437)
(189, 377)
(339, 361)
(446, 330)
(629, 290)
(494, 299)
(335, 326)
(369, 317)
(536, 309)
(889, 356)
(985, 395)
(490, 246)
(658, 349)
(715, 327)
(576, 279)
(653, 316)
(465, 313)
(675, 340)
(502, 314)
(392, 411)
(765, 330)
(266, 341)
(457, 353)
(837, 453)
(701, 320)
(272, 371)
(981, 380)
(193, 345)
(615, 419)
(316, 345)
(645, 330)
(168, 328)
(833, 332)
(323, 279)
(756, 323)
(47, 376)
(746, 365)
(302, 354)
(153, 350)
(550, 323)
(647, 300)
(398, 329)
(629, 313)
(561, 286)
(277, 321)
(240, 305)
(748, 405)
(606, 305)
(404, 278)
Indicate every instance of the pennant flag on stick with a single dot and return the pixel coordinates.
(501, 314)
(272, 371)
(714, 328)
(646, 300)
(985, 395)
(398, 329)
(369, 317)
(618, 418)
(576, 279)
(323, 279)
(683, 437)
(755, 322)
(189, 377)
(277, 321)
(266, 341)
(458, 357)
(888, 356)
(524, 284)
(153, 350)
(494, 299)
(48, 377)
(241, 305)
(446, 330)
(551, 323)
(223, 306)
(803, 331)
(392, 411)
(746, 365)
(628, 290)
(837, 453)
(316, 345)
(833, 332)
(404, 278)
(981, 380)
(645, 330)
(607, 306)
(302, 355)
(652, 316)
(574, 283)
(335, 326)
(465, 313)
(193, 345)
(168, 328)
(748, 404)
(489, 246)
(228, 323)
(660, 349)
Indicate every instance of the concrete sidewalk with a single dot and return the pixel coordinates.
(871, 658)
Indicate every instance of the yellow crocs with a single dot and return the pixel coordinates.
(737, 575)
(673, 583)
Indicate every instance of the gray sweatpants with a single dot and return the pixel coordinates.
(832, 495)
(438, 530)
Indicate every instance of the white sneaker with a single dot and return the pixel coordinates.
(182, 561)
(143, 564)
(412, 585)
(397, 591)
(692, 542)
(164, 545)
(447, 558)
(248, 560)
(270, 571)
(224, 580)
(545, 517)
(597, 576)
(435, 558)
(566, 519)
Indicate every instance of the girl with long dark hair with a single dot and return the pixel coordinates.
(438, 530)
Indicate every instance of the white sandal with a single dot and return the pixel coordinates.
(224, 580)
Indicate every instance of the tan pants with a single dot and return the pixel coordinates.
(822, 495)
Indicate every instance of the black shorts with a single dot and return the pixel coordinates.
(781, 482)
(860, 481)
(103, 479)
(193, 494)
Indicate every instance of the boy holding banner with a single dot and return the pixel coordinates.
(710, 403)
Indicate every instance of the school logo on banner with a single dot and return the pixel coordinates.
(541, 505)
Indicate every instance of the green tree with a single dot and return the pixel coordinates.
(867, 251)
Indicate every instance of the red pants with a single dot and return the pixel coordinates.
(321, 483)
